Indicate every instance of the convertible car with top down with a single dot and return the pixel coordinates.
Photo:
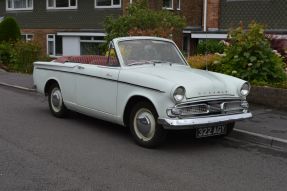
(144, 83)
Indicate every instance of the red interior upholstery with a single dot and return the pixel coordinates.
(87, 59)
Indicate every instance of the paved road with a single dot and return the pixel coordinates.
(40, 152)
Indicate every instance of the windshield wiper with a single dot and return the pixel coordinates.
(160, 61)
(151, 62)
(139, 63)
(157, 61)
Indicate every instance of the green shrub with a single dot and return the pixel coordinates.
(9, 30)
(25, 53)
(6, 56)
(251, 58)
(210, 47)
(203, 61)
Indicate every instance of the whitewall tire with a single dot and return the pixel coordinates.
(144, 127)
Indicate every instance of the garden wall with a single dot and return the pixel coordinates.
(273, 97)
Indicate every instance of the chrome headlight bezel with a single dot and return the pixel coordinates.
(245, 89)
(179, 94)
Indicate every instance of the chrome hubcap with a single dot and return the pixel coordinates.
(56, 100)
(144, 124)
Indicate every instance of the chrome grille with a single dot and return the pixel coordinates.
(195, 110)
(208, 108)
(234, 106)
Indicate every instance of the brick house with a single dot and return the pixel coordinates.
(63, 27)
(73, 27)
(221, 15)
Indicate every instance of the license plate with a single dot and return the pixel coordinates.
(210, 131)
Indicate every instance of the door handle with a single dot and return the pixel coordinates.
(81, 67)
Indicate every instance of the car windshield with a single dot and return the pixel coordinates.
(139, 52)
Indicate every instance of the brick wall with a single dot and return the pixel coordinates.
(40, 36)
(192, 11)
(213, 13)
(273, 97)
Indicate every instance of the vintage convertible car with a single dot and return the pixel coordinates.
(146, 84)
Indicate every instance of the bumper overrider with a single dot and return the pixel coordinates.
(191, 123)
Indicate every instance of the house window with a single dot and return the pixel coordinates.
(167, 4)
(108, 3)
(14, 5)
(91, 45)
(27, 37)
(178, 5)
(62, 4)
(54, 45)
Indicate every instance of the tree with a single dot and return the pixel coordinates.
(9, 30)
(142, 21)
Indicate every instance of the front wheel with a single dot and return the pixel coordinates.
(56, 103)
(144, 127)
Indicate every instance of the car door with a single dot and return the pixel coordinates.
(97, 87)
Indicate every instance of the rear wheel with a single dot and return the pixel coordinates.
(144, 127)
(56, 103)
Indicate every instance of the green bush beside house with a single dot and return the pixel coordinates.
(210, 47)
(249, 56)
(16, 55)
(9, 30)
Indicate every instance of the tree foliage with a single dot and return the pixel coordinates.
(250, 57)
(9, 30)
(140, 20)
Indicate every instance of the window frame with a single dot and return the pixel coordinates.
(111, 6)
(61, 8)
(26, 36)
(20, 9)
(54, 47)
(92, 40)
(178, 5)
(169, 8)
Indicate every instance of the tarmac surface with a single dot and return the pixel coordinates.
(79, 153)
(268, 125)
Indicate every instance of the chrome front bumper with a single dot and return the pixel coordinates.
(191, 123)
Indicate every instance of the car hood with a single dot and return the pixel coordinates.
(198, 83)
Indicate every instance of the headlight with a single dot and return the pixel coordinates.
(245, 89)
(178, 94)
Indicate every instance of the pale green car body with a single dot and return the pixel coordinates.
(104, 91)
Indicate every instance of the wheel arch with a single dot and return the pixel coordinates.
(48, 85)
(131, 101)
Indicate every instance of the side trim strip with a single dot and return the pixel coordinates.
(40, 68)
